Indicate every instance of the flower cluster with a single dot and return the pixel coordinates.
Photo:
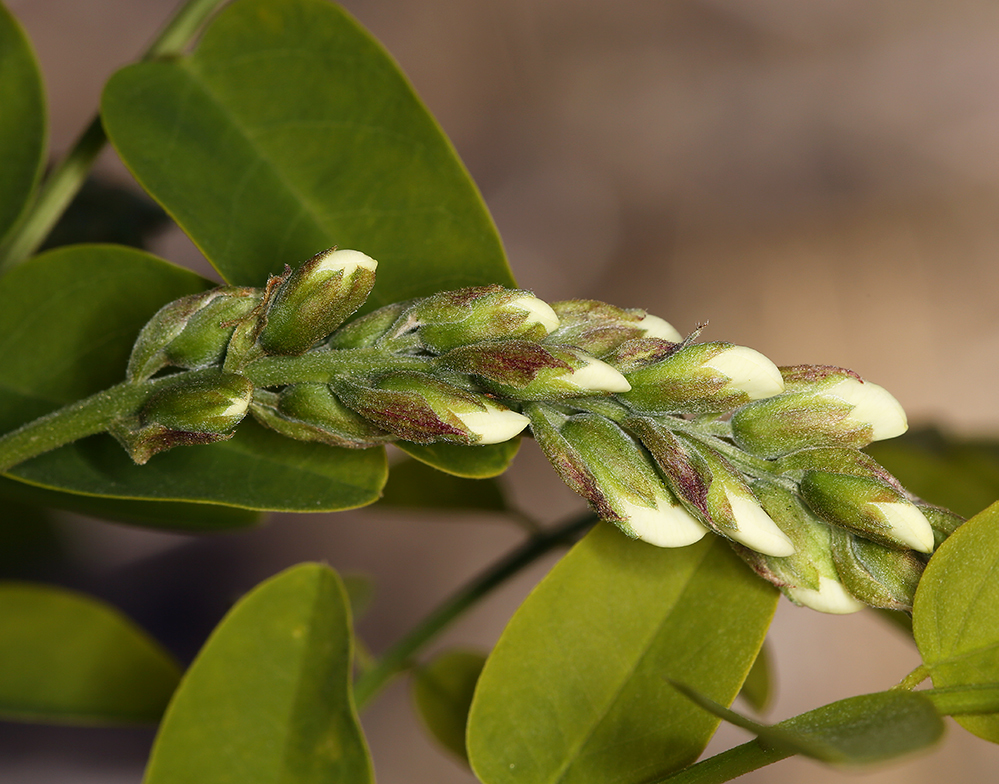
(665, 437)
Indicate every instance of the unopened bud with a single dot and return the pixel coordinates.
(315, 299)
(191, 332)
(703, 378)
(418, 408)
(457, 318)
(877, 575)
(368, 330)
(612, 471)
(943, 521)
(598, 328)
(822, 406)
(311, 412)
(869, 507)
(807, 577)
(522, 370)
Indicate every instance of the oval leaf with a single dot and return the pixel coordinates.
(576, 689)
(442, 691)
(22, 121)
(415, 485)
(470, 462)
(955, 616)
(67, 322)
(290, 130)
(71, 659)
(758, 689)
(268, 698)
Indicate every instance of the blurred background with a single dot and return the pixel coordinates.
(818, 180)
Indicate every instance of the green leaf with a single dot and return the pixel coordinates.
(28, 537)
(758, 688)
(360, 590)
(855, 731)
(67, 322)
(960, 474)
(268, 698)
(412, 484)
(290, 130)
(957, 700)
(470, 462)
(71, 659)
(955, 616)
(576, 691)
(22, 121)
(442, 691)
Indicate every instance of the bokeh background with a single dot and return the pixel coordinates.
(817, 180)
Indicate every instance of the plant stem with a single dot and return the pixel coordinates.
(913, 679)
(68, 176)
(394, 660)
(726, 766)
(321, 366)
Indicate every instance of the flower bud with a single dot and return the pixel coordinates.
(197, 408)
(311, 412)
(315, 299)
(943, 521)
(522, 370)
(877, 575)
(418, 408)
(822, 406)
(457, 318)
(869, 507)
(611, 470)
(368, 330)
(703, 378)
(191, 332)
(807, 577)
(598, 328)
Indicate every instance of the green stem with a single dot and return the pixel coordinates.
(321, 366)
(726, 766)
(394, 660)
(68, 176)
(913, 679)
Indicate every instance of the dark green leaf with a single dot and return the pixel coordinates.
(967, 700)
(442, 690)
(70, 659)
(758, 688)
(576, 689)
(470, 462)
(855, 731)
(290, 130)
(960, 474)
(67, 323)
(413, 484)
(27, 538)
(956, 613)
(268, 698)
(22, 121)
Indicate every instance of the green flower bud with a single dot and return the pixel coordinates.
(598, 328)
(869, 507)
(877, 575)
(457, 318)
(703, 378)
(197, 408)
(822, 406)
(809, 576)
(191, 332)
(613, 472)
(943, 521)
(522, 370)
(418, 408)
(311, 412)
(368, 330)
(313, 300)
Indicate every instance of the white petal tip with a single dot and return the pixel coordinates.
(494, 425)
(538, 312)
(757, 530)
(663, 526)
(908, 525)
(656, 327)
(831, 597)
(347, 261)
(873, 405)
(597, 376)
(749, 371)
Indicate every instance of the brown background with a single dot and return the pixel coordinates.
(818, 180)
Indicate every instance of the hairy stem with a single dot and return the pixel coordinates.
(395, 659)
(68, 175)
(726, 766)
